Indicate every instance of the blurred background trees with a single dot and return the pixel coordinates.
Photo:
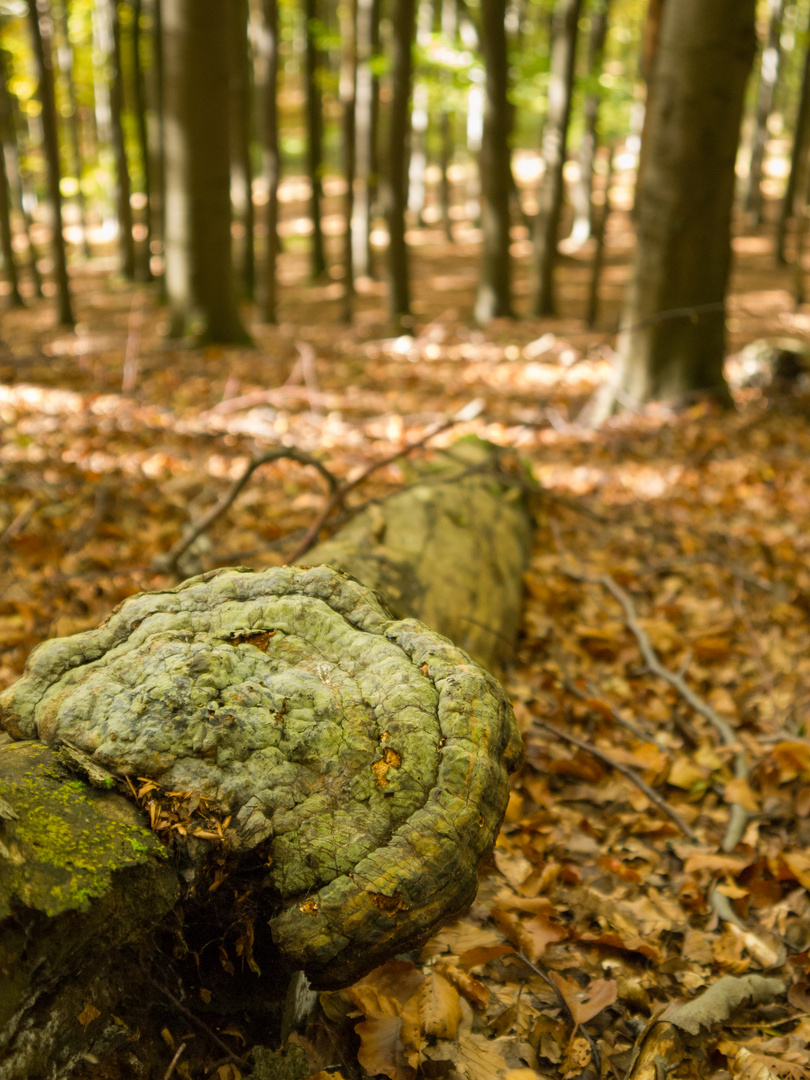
(166, 133)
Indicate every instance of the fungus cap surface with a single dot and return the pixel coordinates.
(367, 755)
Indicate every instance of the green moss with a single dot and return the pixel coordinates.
(68, 841)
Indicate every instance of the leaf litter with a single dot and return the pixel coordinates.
(602, 913)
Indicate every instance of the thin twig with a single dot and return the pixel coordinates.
(171, 559)
(201, 1025)
(21, 520)
(625, 770)
(738, 815)
(338, 496)
(174, 1061)
(597, 1061)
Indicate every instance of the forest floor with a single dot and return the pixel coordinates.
(666, 628)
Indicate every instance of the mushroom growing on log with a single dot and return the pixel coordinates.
(362, 760)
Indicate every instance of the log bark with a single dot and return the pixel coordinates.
(357, 818)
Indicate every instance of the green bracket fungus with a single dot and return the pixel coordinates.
(367, 756)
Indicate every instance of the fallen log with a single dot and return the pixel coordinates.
(330, 778)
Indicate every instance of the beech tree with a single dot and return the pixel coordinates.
(496, 178)
(199, 272)
(673, 341)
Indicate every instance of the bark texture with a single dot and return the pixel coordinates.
(74, 862)
(673, 341)
(450, 550)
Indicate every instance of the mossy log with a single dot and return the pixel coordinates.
(331, 778)
(451, 550)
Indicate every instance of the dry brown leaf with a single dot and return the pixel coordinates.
(584, 1004)
(438, 1007)
(381, 1049)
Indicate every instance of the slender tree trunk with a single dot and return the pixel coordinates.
(6, 237)
(199, 267)
(798, 160)
(403, 20)
(241, 118)
(272, 160)
(445, 158)
(39, 19)
(494, 293)
(450, 34)
(771, 59)
(312, 63)
(143, 269)
(157, 136)
(673, 337)
(600, 228)
(18, 181)
(348, 94)
(555, 136)
(126, 240)
(581, 196)
(366, 96)
(64, 56)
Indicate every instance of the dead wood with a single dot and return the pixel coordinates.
(88, 941)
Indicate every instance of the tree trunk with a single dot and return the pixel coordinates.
(241, 121)
(6, 237)
(494, 288)
(101, 898)
(64, 56)
(673, 337)
(366, 98)
(39, 20)
(312, 63)
(649, 54)
(555, 136)
(771, 59)
(348, 92)
(126, 240)
(10, 130)
(143, 265)
(199, 268)
(157, 140)
(581, 196)
(272, 161)
(798, 159)
(403, 25)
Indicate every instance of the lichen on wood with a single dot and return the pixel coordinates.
(365, 757)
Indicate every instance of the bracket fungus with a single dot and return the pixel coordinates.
(364, 758)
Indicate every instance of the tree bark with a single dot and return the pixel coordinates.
(581, 195)
(241, 124)
(366, 109)
(494, 298)
(18, 182)
(6, 234)
(673, 337)
(199, 269)
(126, 241)
(272, 160)
(798, 160)
(555, 136)
(64, 56)
(39, 20)
(312, 63)
(404, 25)
(143, 263)
(348, 93)
(769, 74)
